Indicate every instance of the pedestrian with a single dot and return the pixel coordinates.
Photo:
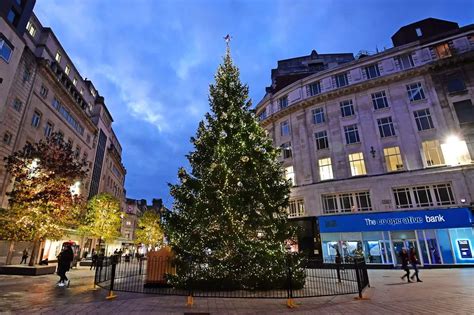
(338, 264)
(414, 263)
(94, 260)
(64, 264)
(405, 260)
(100, 260)
(24, 257)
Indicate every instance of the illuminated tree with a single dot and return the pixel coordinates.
(41, 204)
(149, 232)
(229, 221)
(103, 219)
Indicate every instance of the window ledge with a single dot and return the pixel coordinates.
(382, 110)
(422, 101)
(454, 93)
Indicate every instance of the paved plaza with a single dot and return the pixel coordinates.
(444, 291)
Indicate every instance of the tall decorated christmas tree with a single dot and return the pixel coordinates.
(229, 224)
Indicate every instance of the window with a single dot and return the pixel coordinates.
(386, 128)
(36, 119)
(82, 91)
(296, 208)
(74, 81)
(423, 119)
(43, 91)
(262, 115)
(318, 115)
(443, 194)
(379, 100)
(92, 91)
(26, 75)
(443, 50)
(48, 129)
(464, 111)
(285, 128)
(325, 169)
(433, 153)
(456, 85)
(405, 61)
(283, 102)
(88, 138)
(347, 109)
(313, 89)
(286, 150)
(290, 175)
(17, 105)
(352, 134)
(12, 16)
(77, 153)
(422, 196)
(372, 71)
(347, 202)
(7, 138)
(67, 70)
(5, 49)
(321, 140)
(31, 29)
(341, 80)
(58, 56)
(415, 92)
(393, 159)
(402, 198)
(356, 161)
(128, 223)
(418, 31)
(68, 116)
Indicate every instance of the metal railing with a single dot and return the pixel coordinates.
(152, 276)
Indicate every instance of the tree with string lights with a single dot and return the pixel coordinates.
(149, 232)
(41, 203)
(229, 223)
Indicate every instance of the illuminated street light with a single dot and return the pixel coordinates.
(75, 189)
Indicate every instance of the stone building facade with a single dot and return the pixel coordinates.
(43, 92)
(384, 138)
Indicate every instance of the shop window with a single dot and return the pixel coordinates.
(290, 175)
(402, 198)
(422, 196)
(286, 150)
(325, 169)
(393, 159)
(433, 153)
(346, 202)
(296, 208)
(357, 164)
(444, 194)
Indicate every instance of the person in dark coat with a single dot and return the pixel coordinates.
(24, 257)
(64, 264)
(405, 260)
(414, 263)
(94, 260)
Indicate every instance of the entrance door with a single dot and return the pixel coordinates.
(398, 245)
(386, 253)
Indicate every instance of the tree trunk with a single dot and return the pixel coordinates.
(34, 252)
(9, 259)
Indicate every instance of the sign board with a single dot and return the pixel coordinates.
(397, 220)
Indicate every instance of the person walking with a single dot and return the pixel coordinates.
(64, 264)
(405, 260)
(414, 263)
(94, 260)
(24, 257)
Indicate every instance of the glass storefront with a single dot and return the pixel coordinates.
(451, 245)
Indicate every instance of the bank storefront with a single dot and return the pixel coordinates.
(441, 236)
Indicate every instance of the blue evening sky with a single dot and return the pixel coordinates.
(154, 60)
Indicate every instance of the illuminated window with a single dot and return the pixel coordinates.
(92, 91)
(82, 91)
(379, 100)
(318, 115)
(290, 175)
(386, 128)
(415, 92)
(443, 50)
(67, 70)
(356, 161)
(296, 208)
(58, 56)
(393, 159)
(74, 81)
(321, 140)
(455, 151)
(433, 154)
(31, 29)
(347, 109)
(313, 89)
(285, 128)
(325, 169)
(352, 134)
(283, 102)
(423, 119)
(128, 223)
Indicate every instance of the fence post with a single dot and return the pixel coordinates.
(289, 302)
(190, 300)
(111, 295)
(359, 283)
(140, 265)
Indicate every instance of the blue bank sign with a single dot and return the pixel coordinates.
(397, 220)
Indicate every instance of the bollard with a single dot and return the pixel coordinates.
(111, 295)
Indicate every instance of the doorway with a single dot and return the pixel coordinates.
(398, 245)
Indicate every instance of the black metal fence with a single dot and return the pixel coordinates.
(149, 276)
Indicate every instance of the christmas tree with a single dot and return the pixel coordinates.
(229, 223)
